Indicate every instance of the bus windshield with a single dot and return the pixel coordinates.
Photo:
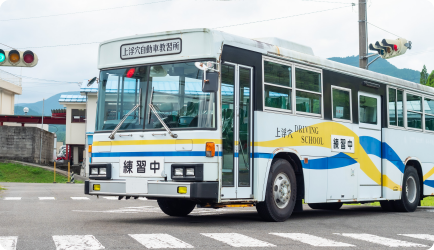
(175, 90)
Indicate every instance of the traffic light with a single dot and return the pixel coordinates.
(15, 58)
(389, 48)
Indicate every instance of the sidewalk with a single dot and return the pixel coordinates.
(62, 172)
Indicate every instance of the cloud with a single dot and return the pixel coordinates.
(2, 1)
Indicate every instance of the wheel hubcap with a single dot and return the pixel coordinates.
(282, 190)
(410, 189)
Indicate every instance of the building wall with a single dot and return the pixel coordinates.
(7, 100)
(75, 132)
(23, 143)
(90, 126)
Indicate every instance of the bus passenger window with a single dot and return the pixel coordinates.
(429, 114)
(308, 91)
(396, 107)
(277, 85)
(414, 111)
(392, 107)
(341, 104)
(368, 110)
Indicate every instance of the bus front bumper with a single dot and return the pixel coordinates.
(157, 189)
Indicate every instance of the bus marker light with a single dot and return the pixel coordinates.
(306, 160)
(97, 187)
(131, 72)
(182, 190)
(210, 149)
(90, 149)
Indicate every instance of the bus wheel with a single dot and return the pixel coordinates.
(410, 194)
(281, 193)
(326, 206)
(175, 207)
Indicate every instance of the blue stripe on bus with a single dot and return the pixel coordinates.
(157, 154)
(429, 183)
(372, 146)
(337, 161)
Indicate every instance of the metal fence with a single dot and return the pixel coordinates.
(11, 78)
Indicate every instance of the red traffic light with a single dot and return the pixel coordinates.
(28, 56)
(395, 47)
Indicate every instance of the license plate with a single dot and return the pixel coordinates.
(141, 166)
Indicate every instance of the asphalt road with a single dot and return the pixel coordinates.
(54, 216)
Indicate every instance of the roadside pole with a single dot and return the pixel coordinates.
(54, 172)
(69, 169)
(42, 128)
(363, 34)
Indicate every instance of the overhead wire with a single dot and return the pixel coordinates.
(383, 29)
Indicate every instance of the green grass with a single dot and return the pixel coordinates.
(2, 188)
(12, 172)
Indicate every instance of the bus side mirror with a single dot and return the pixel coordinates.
(211, 82)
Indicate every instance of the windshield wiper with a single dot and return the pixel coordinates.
(112, 135)
(151, 106)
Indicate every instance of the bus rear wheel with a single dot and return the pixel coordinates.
(281, 193)
(174, 207)
(410, 194)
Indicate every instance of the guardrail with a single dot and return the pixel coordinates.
(11, 78)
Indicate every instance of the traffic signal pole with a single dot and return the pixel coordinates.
(363, 34)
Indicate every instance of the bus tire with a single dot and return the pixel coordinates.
(326, 206)
(281, 193)
(410, 194)
(174, 207)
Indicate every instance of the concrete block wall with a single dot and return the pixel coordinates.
(23, 144)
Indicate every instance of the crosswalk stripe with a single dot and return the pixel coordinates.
(312, 240)
(420, 236)
(12, 198)
(238, 240)
(77, 242)
(80, 198)
(46, 198)
(8, 242)
(143, 199)
(382, 240)
(160, 241)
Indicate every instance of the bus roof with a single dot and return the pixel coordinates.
(208, 43)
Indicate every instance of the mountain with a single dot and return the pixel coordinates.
(382, 66)
(19, 110)
(50, 103)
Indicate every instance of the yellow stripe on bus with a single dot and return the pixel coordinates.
(427, 175)
(152, 142)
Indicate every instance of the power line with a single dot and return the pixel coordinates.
(60, 45)
(80, 12)
(267, 20)
(383, 29)
(7, 45)
(40, 79)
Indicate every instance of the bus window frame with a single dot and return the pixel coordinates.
(351, 104)
(422, 129)
(424, 115)
(282, 62)
(293, 110)
(404, 108)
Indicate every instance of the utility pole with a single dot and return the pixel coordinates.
(363, 34)
(42, 131)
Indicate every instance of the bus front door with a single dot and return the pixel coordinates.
(236, 132)
(370, 139)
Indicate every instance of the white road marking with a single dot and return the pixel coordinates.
(77, 242)
(79, 198)
(110, 198)
(420, 236)
(143, 199)
(8, 242)
(12, 198)
(160, 241)
(313, 240)
(382, 240)
(238, 240)
(126, 210)
(46, 198)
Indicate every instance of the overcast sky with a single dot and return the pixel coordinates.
(330, 33)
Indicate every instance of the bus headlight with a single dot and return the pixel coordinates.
(103, 171)
(189, 172)
(94, 171)
(179, 171)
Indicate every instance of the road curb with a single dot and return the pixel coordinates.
(62, 172)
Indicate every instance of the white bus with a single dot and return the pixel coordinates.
(204, 118)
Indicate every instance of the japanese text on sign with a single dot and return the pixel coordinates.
(141, 166)
(343, 144)
(153, 48)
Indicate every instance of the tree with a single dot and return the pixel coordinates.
(424, 76)
(430, 81)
